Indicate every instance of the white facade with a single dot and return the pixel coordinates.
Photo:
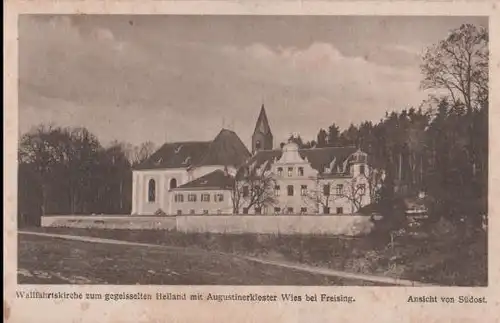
(201, 202)
(300, 189)
(164, 180)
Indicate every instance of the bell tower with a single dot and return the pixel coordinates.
(262, 138)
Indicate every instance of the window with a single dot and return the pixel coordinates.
(340, 210)
(362, 189)
(178, 198)
(218, 197)
(191, 197)
(179, 212)
(303, 190)
(290, 190)
(191, 211)
(246, 192)
(340, 189)
(277, 210)
(173, 183)
(277, 190)
(300, 171)
(151, 190)
(205, 197)
(290, 171)
(245, 210)
(289, 210)
(326, 210)
(280, 171)
(326, 190)
(258, 210)
(303, 210)
(257, 145)
(362, 169)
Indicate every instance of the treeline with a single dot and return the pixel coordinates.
(440, 147)
(68, 171)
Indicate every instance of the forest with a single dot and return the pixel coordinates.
(439, 146)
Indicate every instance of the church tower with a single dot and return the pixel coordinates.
(262, 138)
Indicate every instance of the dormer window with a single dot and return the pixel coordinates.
(257, 145)
(178, 149)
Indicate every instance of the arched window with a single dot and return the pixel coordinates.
(151, 190)
(173, 183)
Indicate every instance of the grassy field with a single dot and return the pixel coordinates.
(455, 261)
(46, 260)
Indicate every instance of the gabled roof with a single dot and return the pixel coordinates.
(176, 155)
(226, 149)
(262, 124)
(319, 158)
(216, 180)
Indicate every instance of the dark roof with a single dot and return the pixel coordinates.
(319, 158)
(262, 124)
(217, 179)
(226, 149)
(176, 155)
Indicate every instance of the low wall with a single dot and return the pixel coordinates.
(350, 225)
(110, 222)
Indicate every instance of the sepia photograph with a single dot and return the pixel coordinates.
(255, 150)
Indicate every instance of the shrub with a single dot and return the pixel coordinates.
(160, 212)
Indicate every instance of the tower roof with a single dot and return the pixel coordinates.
(262, 124)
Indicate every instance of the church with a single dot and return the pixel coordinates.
(198, 177)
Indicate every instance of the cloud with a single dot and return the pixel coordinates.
(136, 86)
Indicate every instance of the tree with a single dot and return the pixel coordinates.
(333, 135)
(320, 196)
(67, 171)
(354, 190)
(459, 65)
(295, 138)
(321, 138)
(253, 186)
(143, 152)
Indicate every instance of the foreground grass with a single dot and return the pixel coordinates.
(444, 261)
(46, 260)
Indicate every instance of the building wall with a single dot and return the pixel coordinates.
(110, 222)
(200, 207)
(162, 178)
(311, 198)
(349, 225)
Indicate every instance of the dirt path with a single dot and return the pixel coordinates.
(294, 266)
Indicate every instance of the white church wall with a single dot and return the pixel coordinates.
(162, 177)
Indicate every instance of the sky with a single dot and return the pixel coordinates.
(179, 78)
